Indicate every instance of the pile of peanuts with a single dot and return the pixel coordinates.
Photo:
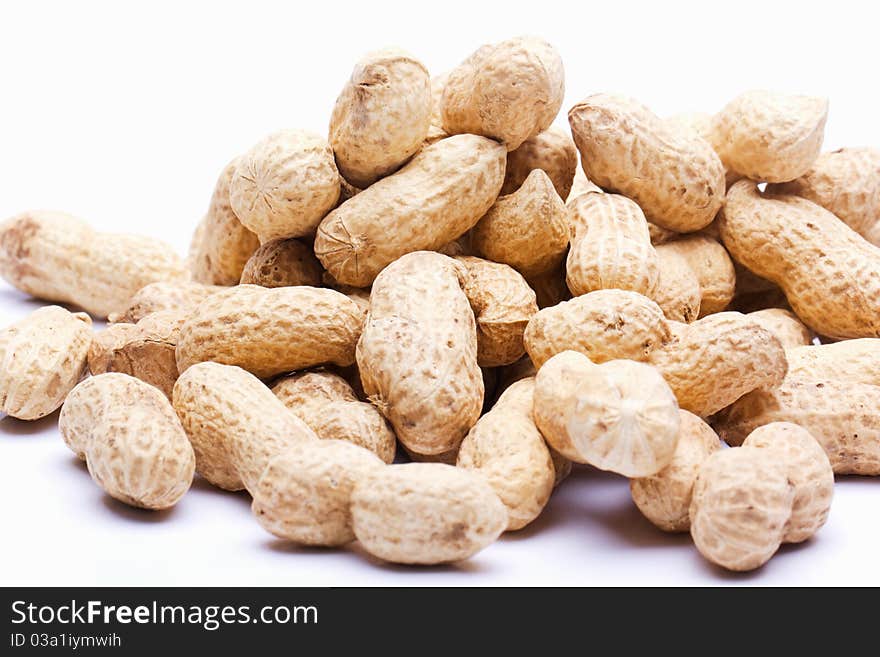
(440, 275)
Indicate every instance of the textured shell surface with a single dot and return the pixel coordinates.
(672, 173)
(526, 229)
(678, 290)
(131, 439)
(768, 136)
(234, 422)
(436, 197)
(304, 495)
(57, 257)
(506, 447)
(162, 296)
(42, 357)
(786, 326)
(281, 263)
(269, 331)
(503, 303)
(509, 91)
(381, 117)
(285, 184)
(551, 151)
(829, 273)
(714, 270)
(305, 392)
(435, 130)
(425, 513)
(849, 361)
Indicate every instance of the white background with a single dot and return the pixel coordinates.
(125, 115)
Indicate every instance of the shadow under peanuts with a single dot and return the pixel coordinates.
(470, 566)
(204, 487)
(135, 514)
(13, 427)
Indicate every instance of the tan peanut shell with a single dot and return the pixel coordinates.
(845, 182)
(221, 245)
(42, 357)
(808, 469)
(436, 197)
(610, 246)
(702, 124)
(304, 494)
(829, 273)
(714, 269)
(327, 403)
(158, 297)
(57, 257)
(850, 361)
(843, 417)
(130, 438)
(425, 513)
(664, 498)
(435, 130)
(785, 325)
(509, 91)
(661, 235)
(619, 416)
(282, 263)
(673, 174)
(551, 151)
(381, 117)
(506, 447)
(503, 303)
(285, 184)
(526, 229)
(678, 287)
(581, 185)
(270, 331)
(417, 354)
(235, 424)
(768, 136)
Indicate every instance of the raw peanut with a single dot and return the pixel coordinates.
(418, 352)
(42, 357)
(503, 303)
(740, 507)
(435, 130)
(830, 274)
(785, 325)
(526, 229)
(770, 137)
(553, 152)
(610, 246)
(843, 417)
(382, 116)
(581, 185)
(603, 325)
(145, 350)
(678, 287)
(845, 182)
(130, 438)
(850, 361)
(619, 416)
(282, 263)
(808, 469)
(673, 174)
(509, 91)
(561, 466)
(57, 257)
(436, 197)
(285, 184)
(665, 497)
(304, 495)
(269, 331)
(702, 124)
(220, 245)
(506, 447)
(235, 424)
(550, 288)
(158, 297)
(661, 235)
(713, 268)
(425, 513)
(327, 403)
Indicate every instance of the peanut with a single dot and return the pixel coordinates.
(553, 152)
(850, 361)
(713, 268)
(281, 263)
(435, 130)
(158, 297)
(785, 325)
(678, 287)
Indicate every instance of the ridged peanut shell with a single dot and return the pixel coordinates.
(710, 262)
(786, 326)
(678, 287)
(551, 151)
(282, 263)
(162, 296)
(849, 361)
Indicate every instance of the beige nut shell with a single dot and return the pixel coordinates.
(269, 331)
(42, 357)
(234, 422)
(57, 257)
(285, 184)
(678, 286)
(130, 438)
(435, 198)
(786, 326)
(551, 151)
(381, 117)
(672, 173)
(417, 354)
(425, 513)
(509, 91)
(713, 268)
(849, 361)
(304, 495)
(829, 273)
(503, 303)
(506, 447)
(162, 296)
(282, 263)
